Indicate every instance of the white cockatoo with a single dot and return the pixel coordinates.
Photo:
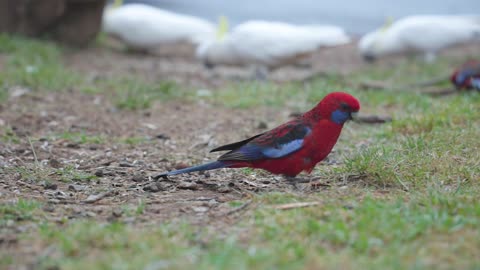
(268, 44)
(423, 33)
(145, 27)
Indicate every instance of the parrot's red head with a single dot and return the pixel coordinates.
(337, 106)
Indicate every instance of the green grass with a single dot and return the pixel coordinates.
(82, 138)
(417, 230)
(134, 94)
(21, 210)
(32, 173)
(7, 135)
(34, 64)
(422, 160)
(39, 65)
(134, 210)
(69, 174)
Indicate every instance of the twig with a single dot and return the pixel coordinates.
(254, 184)
(442, 92)
(97, 197)
(373, 119)
(289, 206)
(379, 85)
(34, 153)
(238, 209)
(375, 85)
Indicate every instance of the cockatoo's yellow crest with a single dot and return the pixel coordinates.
(117, 3)
(388, 23)
(222, 27)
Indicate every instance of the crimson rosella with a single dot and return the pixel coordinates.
(467, 76)
(291, 148)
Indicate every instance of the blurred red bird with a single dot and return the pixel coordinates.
(467, 76)
(291, 148)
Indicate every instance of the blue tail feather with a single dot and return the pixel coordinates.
(204, 167)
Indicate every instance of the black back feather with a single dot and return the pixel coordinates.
(235, 145)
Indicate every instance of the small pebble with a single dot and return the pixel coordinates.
(125, 164)
(200, 209)
(117, 212)
(51, 186)
(188, 185)
(99, 173)
(138, 178)
(262, 125)
(76, 188)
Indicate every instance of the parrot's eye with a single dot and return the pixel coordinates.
(345, 107)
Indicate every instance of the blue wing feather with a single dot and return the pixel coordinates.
(276, 143)
(284, 149)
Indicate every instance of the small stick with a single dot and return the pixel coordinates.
(379, 85)
(254, 184)
(97, 197)
(439, 93)
(238, 209)
(373, 119)
(289, 206)
(34, 153)
(374, 85)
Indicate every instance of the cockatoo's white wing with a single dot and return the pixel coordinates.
(146, 26)
(428, 34)
(328, 35)
(431, 33)
(271, 43)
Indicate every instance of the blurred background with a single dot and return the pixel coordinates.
(357, 17)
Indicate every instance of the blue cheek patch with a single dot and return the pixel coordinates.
(340, 116)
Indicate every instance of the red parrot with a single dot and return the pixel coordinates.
(291, 148)
(467, 76)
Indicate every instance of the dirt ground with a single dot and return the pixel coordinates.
(174, 134)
